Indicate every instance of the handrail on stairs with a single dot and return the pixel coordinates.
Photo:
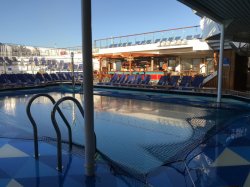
(55, 124)
(35, 134)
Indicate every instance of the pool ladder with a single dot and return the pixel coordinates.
(55, 124)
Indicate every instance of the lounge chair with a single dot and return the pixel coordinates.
(196, 83)
(30, 78)
(138, 43)
(40, 79)
(54, 77)
(169, 41)
(157, 40)
(3, 81)
(47, 78)
(146, 80)
(163, 41)
(137, 80)
(174, 41)
(162, 81)
(197, 36)
(185, 81)
(62, 77)
(129, 80)
(113, 79)
(121, 80)
(129, 44)
(143, 42)
(24, 80)
(173, 81)
(12, 80)
(68, 76)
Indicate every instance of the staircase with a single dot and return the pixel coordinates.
(210, 77)
(215, 44)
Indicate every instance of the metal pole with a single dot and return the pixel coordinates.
(100, 69)
(88, 88)
(4, 63)
(220, 63)
(152, 64)
(73, 71)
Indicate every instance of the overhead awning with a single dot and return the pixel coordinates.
(234, 14)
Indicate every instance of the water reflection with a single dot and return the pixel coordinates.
(136, 133)
(9, 105)
(236, 133)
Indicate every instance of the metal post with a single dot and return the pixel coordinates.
(130, 66)
(220, 63)
(4, 63)
(100, 69)
(73, 71)
(88, 88)
(152, 64)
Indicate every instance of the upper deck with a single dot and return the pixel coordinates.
(170, 41)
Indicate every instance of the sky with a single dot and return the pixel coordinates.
(57, 23)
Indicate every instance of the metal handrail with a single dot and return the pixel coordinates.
(55, 124)
(152, 32)
(35, 126)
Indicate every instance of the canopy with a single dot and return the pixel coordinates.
(233, 14)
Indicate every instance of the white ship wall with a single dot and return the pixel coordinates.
(195, 44)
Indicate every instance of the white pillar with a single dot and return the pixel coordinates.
(88, 88)
(152, 64)
(220, 63)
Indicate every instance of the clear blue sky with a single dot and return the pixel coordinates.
(50, 22)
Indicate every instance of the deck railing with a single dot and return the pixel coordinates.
(184, 33)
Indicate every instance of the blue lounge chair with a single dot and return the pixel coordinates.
(30, 78)
(54, 77)
(137, 80)
(162, 82)
(47, 78)
(62, 77)
(157, 40)
(189, 37)
(3, 81)
(197, 81)
(146, 80)
(40, 79)
(129, 44)
(138, 43)
(173, 81)
(113, 79)
(24, 80)
(129, 80)
(143, 82)
(121, 80)
(68, 76)
(185, 81)
(13, 80)
(197, 36)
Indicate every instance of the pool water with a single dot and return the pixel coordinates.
(138, 135)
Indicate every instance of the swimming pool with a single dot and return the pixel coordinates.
(139, 131)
